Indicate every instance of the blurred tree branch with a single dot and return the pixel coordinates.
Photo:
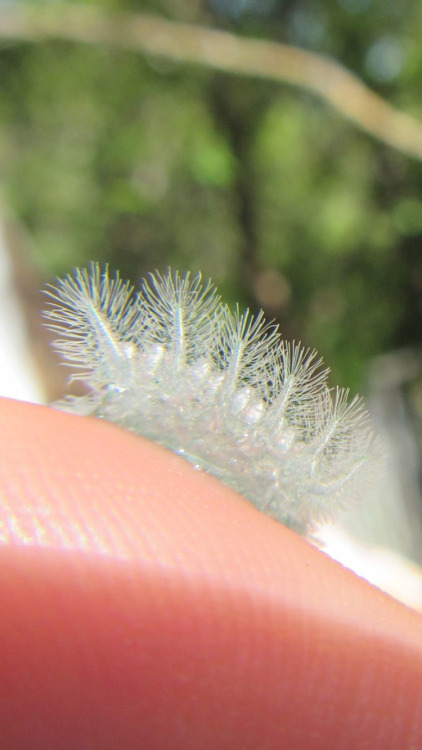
(219, 50)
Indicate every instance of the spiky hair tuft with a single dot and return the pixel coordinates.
(222, 389)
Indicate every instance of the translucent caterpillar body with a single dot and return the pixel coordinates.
(222, 389)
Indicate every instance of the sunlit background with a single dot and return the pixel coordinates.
(114, 153)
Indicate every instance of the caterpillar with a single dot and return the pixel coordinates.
(222, 389)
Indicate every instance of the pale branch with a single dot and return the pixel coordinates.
(219, 50)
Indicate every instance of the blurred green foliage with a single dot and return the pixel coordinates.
(111, 155)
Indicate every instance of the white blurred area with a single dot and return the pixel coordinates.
(18, 374)
(390, 571)
(376, 540)
(380, 538)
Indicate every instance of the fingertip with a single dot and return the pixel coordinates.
(147, 605)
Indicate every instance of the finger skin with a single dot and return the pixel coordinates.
(146, 605)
